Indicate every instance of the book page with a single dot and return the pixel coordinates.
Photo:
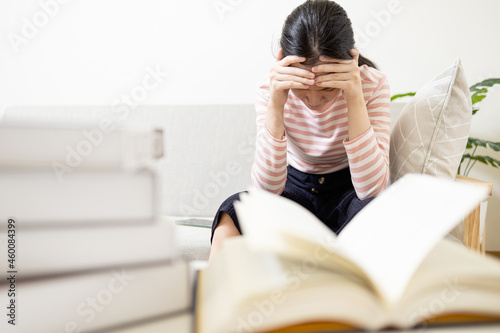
(231, 278)
(273, 224)
(451, 280)
(391, 236)
(263, 216)
(241, 285)
(387, 240)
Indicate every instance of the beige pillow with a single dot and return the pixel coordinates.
(431, 132)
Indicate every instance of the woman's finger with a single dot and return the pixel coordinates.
(279, 57)
(333, 77)
(334, 68)
(355, 54)
(333, 84)
(291, 59)
(295, 71)
(333, 60)
(280, 85)
(293, 78)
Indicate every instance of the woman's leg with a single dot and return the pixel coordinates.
(225, 229)
(225, 224)
(348, 207)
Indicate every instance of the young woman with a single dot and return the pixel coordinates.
(323, 122)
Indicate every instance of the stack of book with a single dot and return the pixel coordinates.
(82, 246)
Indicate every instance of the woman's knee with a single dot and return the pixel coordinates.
(225, 227)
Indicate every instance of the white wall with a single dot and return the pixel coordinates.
(94, 52)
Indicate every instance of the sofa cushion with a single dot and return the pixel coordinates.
(193, 243)
(430, 134)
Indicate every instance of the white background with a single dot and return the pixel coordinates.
(93, 51)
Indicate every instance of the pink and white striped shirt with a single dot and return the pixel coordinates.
(317, 142)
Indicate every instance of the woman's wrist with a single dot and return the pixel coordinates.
(274, 121)
(354, 95)
(358, 120)
(276, 104)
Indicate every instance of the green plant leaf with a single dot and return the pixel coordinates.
(465, 156)
(470, 143)
(474, 142)
(402, 95)
(488, 160)
(497, 162)
(478, 96)
(491, 161)
(479, 91)
(485, 83)
(494, 145)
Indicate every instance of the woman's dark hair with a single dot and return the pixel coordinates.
(316, 28)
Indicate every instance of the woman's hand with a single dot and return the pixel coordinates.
(341, 74)
(284, 77)
(345, 75)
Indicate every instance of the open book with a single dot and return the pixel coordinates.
(389, 267)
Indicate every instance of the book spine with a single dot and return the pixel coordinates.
(83, 197)
(46, 252)
(70, 149)
(95, 301)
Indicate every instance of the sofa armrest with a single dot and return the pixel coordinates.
(474, 228)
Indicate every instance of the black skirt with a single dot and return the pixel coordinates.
(330, 197)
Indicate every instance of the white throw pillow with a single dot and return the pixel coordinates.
(431, 133)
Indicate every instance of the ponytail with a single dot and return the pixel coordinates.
(365, 61)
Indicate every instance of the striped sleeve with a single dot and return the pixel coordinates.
(270, 161)
(368, 154)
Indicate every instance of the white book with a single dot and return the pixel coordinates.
(53, 251)
(40, 198)
(65, 150)
(389, 267)
(181, 323)
(96, 300)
